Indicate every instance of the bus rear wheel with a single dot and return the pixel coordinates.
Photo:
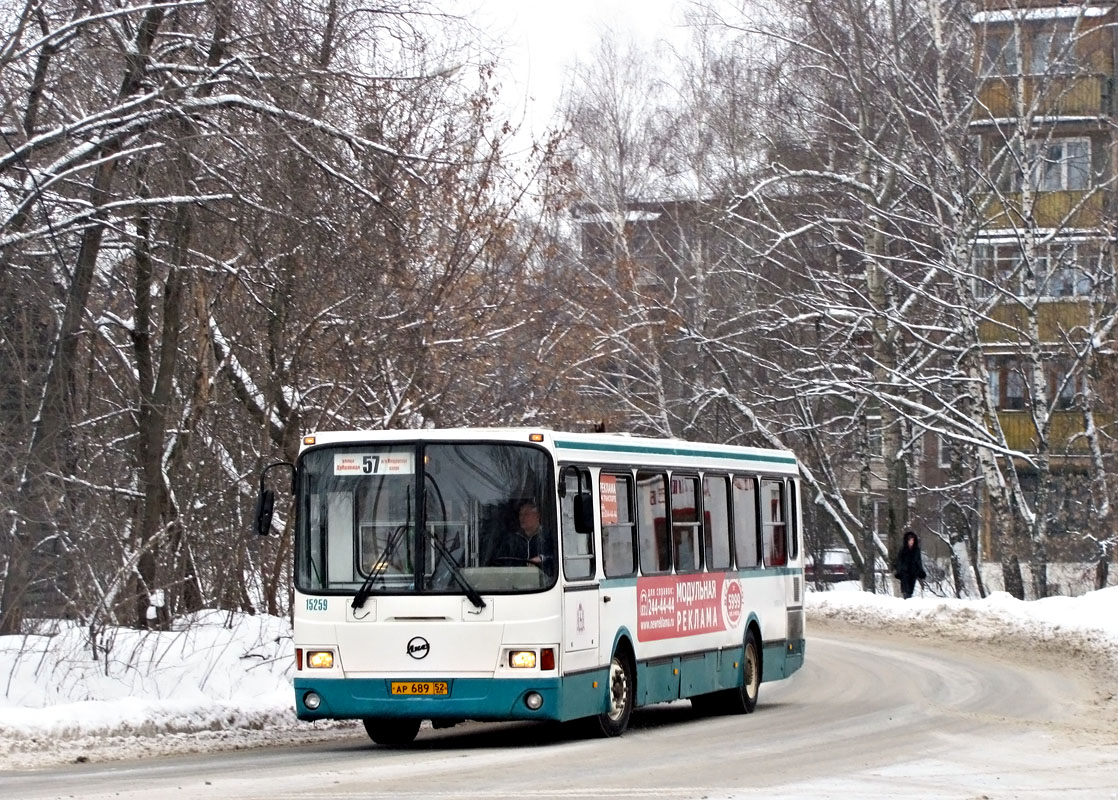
(392, 731)
(743, 699)
(621, 689)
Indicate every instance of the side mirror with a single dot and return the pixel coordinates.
(265, 504)
(266, 500)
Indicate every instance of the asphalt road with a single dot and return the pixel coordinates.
(871, 715)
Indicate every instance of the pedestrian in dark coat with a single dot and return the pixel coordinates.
(909, 566)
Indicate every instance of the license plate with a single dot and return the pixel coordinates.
(420, 687)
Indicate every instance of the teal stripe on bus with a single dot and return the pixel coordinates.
(622, 447)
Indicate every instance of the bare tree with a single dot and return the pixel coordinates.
(230, 222)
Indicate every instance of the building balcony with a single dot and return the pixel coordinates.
(1065, 433)
(1067, 209)
(1047, 98)
(1057, 319)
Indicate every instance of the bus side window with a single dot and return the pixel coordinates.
(652, 523)
(716, 522)
(578, 548)
(746, 540)
(774, 530)
(619, 554)
(685, 523)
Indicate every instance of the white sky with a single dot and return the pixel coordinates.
(543, 37)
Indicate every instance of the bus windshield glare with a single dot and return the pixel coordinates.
(435, 518)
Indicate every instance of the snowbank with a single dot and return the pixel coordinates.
(222, 681)
(214, 671)
(1077, 627)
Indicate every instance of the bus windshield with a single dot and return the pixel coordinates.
(434, 518)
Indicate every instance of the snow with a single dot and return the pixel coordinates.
(1035, 14)
(215, 672)
(222, 680)
(1086, 624)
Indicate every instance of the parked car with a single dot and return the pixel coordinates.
(837, 565)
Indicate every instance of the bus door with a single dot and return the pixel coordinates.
(795, 559)
(781, 546)
(581, 601)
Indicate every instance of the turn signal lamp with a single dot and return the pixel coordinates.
(547, 658)
(320, 659)
(522, 659)
(308, 440)
(535, 437)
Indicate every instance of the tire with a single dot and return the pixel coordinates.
(621, 690)
(743, 699)
(392, 731)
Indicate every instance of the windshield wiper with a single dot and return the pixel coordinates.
(446, 556)
(380, 567)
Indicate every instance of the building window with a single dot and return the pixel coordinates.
(943, 451)
(1067, 281)
(997, 269)
(1064, 384)
(1065, 275)
(1062, 269)
(1010, 389)
(1052, 51)
(1007, 383)
(1049, 50)
(999, 53)
(1059, 165)
(875, 441)
(1014, 397)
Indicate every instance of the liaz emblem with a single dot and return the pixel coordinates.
(418, 648)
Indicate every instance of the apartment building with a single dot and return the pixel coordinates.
(1044, 260)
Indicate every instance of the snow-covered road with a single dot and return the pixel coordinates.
(874, 714)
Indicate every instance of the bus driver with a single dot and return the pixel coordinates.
(525, 545)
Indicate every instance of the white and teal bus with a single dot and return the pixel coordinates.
(661, 569)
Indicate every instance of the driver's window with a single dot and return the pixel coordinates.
(578, 548)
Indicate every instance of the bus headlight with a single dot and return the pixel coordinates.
(312, 701)
(320, 659)
(533, 700)
(522, 659)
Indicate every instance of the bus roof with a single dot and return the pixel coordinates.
(595, 448)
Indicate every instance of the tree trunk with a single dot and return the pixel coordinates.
(51, 438)
(866, 512)
(1011, 576)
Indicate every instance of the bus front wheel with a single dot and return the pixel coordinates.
(392, 731)
(621, 690)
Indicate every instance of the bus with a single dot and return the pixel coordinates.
(528, 574)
